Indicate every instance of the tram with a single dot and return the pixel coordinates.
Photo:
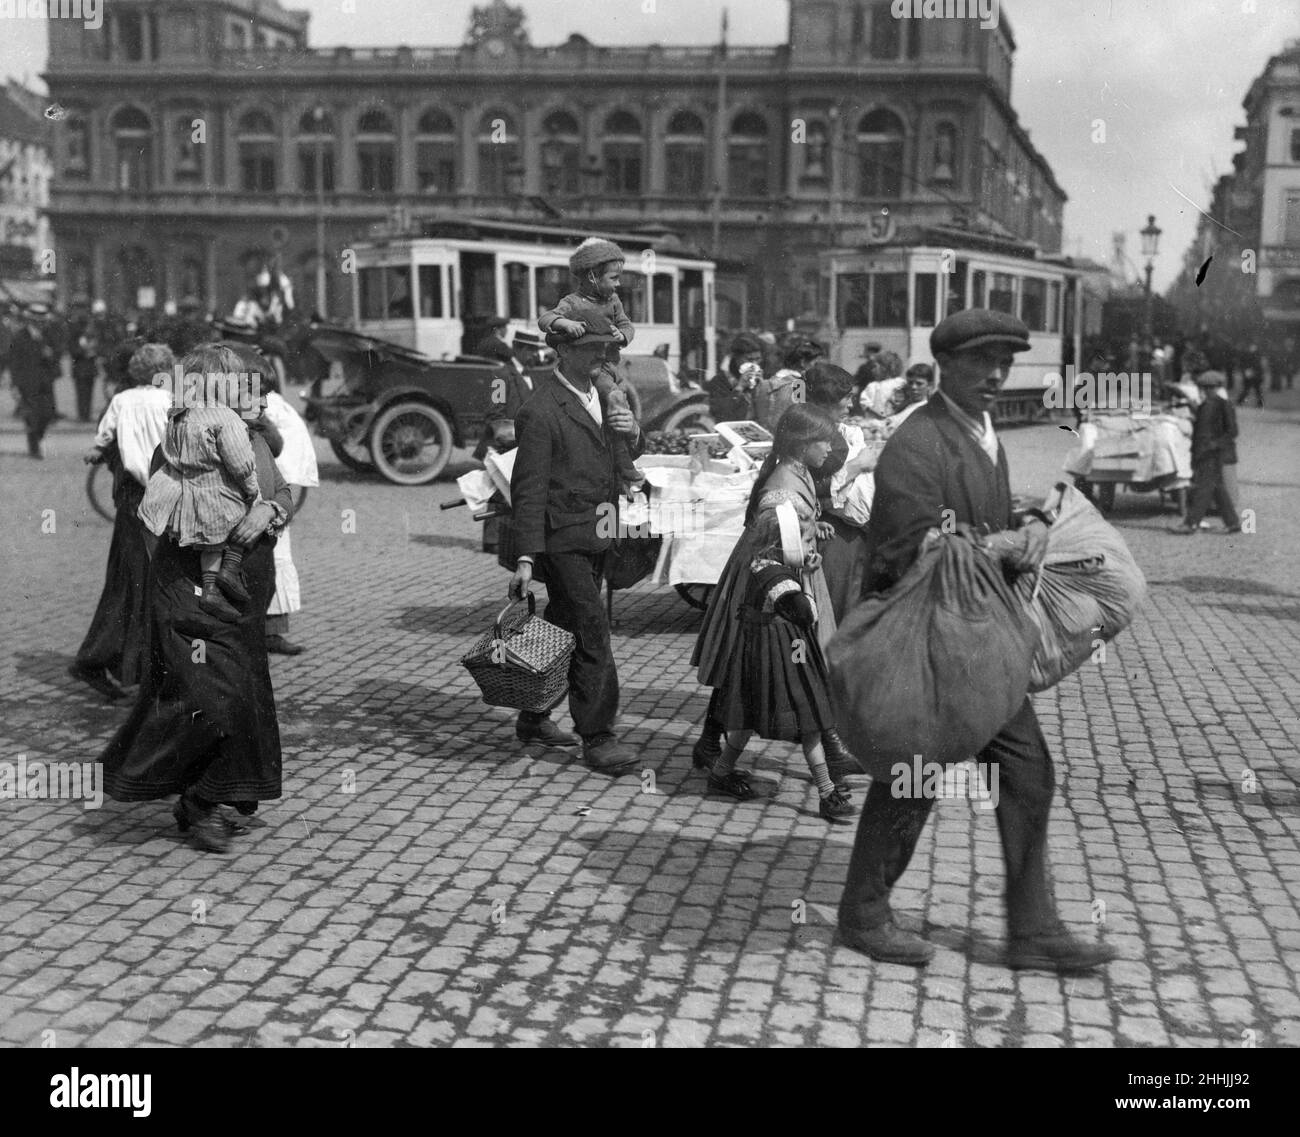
(433, 289)
(893, 294)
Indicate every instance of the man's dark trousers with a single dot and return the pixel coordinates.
(573, 583)
(1209, 484)
(890, 827)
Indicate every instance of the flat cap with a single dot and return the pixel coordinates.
(979, 327)
(600, 329)
(1211, 379)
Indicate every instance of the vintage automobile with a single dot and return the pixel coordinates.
(388, 408)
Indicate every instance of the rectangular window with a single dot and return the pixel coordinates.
(957, 288)
(397, 292)
(927, 299)
(551, 283)
(684, 173)
(854, 292)
(979, 289)
(257, 167)
(889, 300)
(1033, 304)
(622, 167)
(435, 167)
(517, 291)
(663, 299)
(1002, 293)
(1295, 145)
(431, 292)
(1054, 306)
(631, 290)
(376, 169)
(747, 169)
(307, 160)
(130, 36)
(1291, 225)
(370, 288)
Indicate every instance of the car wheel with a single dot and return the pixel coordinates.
(410, 443)
(696, 595)
(354, 455)
(693, 418)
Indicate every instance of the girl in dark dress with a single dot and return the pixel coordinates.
(204, 725)
(760, 646)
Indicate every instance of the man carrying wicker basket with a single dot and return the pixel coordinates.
(564, 489)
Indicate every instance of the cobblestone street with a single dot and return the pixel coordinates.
(426, 881)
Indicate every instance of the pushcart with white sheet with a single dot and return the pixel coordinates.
(1143, 452)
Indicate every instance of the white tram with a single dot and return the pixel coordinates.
(894, 294)
(433, 291)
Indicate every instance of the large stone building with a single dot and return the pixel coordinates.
(25, 172)
(203, 136)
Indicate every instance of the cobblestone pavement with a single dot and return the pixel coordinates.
(424, 881)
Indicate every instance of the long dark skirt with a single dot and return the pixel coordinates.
(775, 684)
(844, 562)
(205, 717)
(118, 635)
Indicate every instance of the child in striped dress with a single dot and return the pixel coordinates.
(208, 481)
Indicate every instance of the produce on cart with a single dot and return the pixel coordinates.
(1145, 452)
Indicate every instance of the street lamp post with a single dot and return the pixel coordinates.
(1150, 247)
(318, 117)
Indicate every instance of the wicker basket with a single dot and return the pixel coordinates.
(530, 671)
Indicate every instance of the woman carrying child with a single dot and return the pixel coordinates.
(768, 620)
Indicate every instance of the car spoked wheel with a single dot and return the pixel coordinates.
(693, 418)
(411, 443)
(354, 455)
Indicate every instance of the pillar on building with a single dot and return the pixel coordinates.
(655, 174)
(530, 146)
(346, 175)
(405, 149)
(469, 116)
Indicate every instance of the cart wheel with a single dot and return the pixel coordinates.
(696, 595)
(1106, 492)
(99, 488)
(354, 455)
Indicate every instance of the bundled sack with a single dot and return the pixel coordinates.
(937, 665)
(1088, 588)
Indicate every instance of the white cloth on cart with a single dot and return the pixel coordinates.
(1150, 447)
(297, 461)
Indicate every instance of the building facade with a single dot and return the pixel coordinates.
(25, 175)
(201, 138)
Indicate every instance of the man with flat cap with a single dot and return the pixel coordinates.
(564, 491)
(945, 463)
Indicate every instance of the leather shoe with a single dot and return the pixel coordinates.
(1059, 952)
(543, 731)
(281, 646)
(608, 756)
(708, 748)
(839, 762)
(888, 943)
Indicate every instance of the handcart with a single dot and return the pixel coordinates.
(1144, 452)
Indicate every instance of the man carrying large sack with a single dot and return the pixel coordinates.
(944, 468)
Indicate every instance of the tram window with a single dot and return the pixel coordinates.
(927, 299)
(397, 287)
(1002, 293)
(1054, 306)
(854, 290)
(631, 290)
(430, 292)
(551, 283)
(957, 288)
(517, 291)
(979, 289)
(1033, 304)
(889, 300)
(370, 284)
(663, 299)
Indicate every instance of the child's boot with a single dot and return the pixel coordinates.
(228, 576)
(214, 604)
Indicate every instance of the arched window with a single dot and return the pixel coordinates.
(944, 167)
(133, 150)
(189, 156)
(747, 156)
(376, 153)
(315, 146)
(435, 153)
(499, 156)
(880, 155)
(76, 146)
(622, 151)
(561, 155)
(684, 155)
(256, 143)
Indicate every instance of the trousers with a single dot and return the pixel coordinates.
(1212, 481)
(890, 827)
(573, 583)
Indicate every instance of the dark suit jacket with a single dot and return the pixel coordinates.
(564, 474)
(1214, 431)
(928, 466)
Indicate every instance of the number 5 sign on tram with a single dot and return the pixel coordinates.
(880, 227)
